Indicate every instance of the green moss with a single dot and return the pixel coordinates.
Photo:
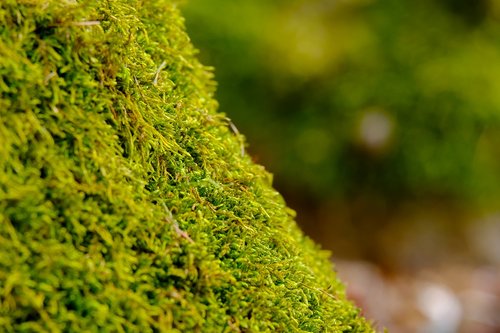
(127, 203)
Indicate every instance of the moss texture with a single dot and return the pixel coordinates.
(127, 203)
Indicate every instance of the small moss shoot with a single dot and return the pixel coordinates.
(127, 203)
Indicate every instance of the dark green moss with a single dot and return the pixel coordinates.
(127, 203)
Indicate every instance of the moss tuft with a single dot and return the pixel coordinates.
(127, 203)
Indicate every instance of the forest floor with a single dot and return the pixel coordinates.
(451, 298)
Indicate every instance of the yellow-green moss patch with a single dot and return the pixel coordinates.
(127, 203)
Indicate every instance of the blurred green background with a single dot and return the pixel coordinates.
(362, 106)
(380, 120)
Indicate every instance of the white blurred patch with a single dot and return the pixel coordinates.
(375, 129)
(441, 307)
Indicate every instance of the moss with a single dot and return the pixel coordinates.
(127, 203)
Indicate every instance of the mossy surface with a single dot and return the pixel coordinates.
(127, 203)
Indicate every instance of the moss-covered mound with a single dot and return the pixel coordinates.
(127, 203)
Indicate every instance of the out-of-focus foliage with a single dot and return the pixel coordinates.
(396, 98)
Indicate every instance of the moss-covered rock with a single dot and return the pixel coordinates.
(127, 203)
